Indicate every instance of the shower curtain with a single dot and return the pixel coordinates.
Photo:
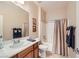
(50, 34)
(59, 43)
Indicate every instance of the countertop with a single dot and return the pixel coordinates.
(7, 51)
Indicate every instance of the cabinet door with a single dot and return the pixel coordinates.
(36, 53)
(25, 52)
(30, 55)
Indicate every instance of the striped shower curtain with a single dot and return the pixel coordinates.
(60, 37)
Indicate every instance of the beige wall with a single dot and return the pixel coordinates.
(71, 13)
(12, 17)
(56, 13)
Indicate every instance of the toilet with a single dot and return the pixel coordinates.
(42, 50)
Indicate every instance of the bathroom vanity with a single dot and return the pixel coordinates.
(25, 49)
(30, 52)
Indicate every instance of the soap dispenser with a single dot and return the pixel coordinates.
(1, 42)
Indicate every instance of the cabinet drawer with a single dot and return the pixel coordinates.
(25, 52)
(35, 45)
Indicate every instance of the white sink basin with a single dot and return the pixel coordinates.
(18, 45)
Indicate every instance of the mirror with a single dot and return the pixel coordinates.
(14, 18)
(1, 26)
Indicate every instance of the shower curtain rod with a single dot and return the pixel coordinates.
(58, 19)
(52, 20)
(55, 20)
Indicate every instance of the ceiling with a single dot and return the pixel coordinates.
(48, 5)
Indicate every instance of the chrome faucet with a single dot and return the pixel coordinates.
(16, 41)
(0, 36)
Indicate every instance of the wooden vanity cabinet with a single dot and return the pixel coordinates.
(30, 52)
(36, 50)
(30, 55)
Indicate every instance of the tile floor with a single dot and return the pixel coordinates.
(50, 55)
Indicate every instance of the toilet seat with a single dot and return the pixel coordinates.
(44, 47)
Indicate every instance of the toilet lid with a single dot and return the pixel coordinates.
(43, 47)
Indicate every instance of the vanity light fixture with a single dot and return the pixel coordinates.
(19, 2)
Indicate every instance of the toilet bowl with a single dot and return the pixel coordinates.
(42, 50)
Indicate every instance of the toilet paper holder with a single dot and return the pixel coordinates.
(77, 51)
